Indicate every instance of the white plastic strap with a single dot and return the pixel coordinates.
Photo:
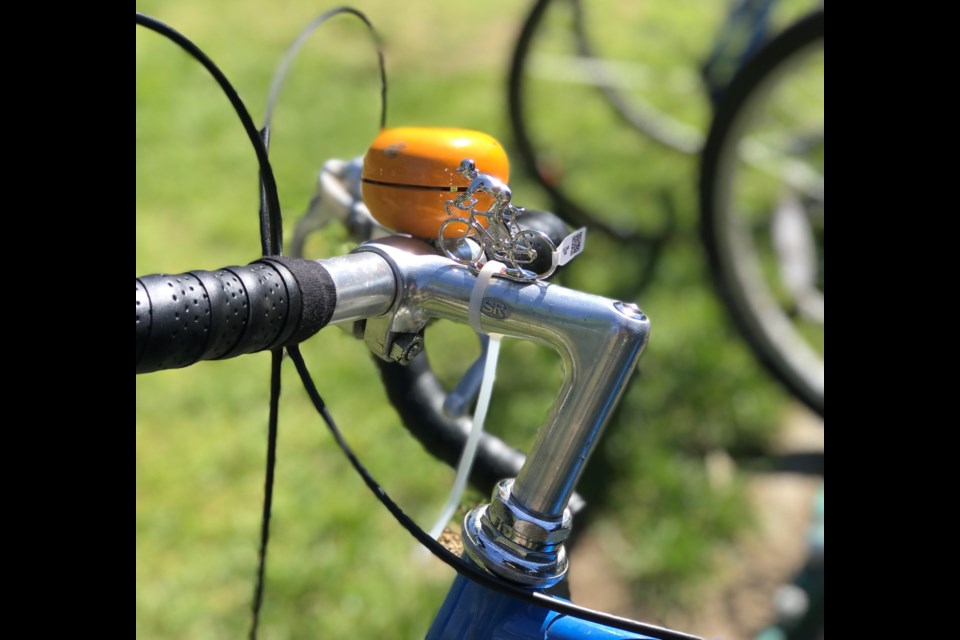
(483, 402)
(480, 288)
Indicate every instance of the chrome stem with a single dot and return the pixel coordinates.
(599, 340)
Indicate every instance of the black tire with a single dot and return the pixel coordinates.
(738, 185)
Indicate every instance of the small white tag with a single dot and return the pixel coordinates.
(572, 246)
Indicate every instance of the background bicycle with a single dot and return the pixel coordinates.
(647, 79)
(200, 431)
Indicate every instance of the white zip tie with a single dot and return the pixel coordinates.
(483, 402)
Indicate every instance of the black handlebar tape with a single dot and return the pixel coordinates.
(213, 315)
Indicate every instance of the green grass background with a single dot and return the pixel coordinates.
(339, 567)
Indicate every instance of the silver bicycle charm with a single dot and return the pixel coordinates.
(468, 241)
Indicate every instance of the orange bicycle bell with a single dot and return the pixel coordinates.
(409, 174)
